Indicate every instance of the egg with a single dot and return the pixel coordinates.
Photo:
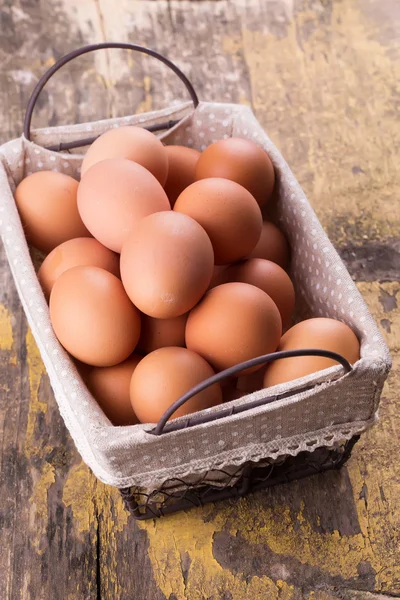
(242, 161)
(159, 333)
(228, 213)
(166, 264)
(164, 376)
(234, 322)
(318, 333)
(110, 387)
(47, 204)
(82, 368)
(74, 253)
(181, 170)
(114, 195)
(93, 317)
(246, 384)
(217, 276)
(230, 391)
(269, 277)
(272, 245)
(133, 143)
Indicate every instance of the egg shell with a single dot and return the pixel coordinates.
(47, 205)
(242, 161)
(269, 277)
(246, 384)
(82, 368)
(93, 317)
(159, 333)
(233, 323)
(166, 264)
(272, 245)
(230, 391)
(217, 276)
(318, 333)
(110, 387)
(133, 143)
(165, 375)
(182, 163)
(228, 213)
(74, 253)
(114, 195)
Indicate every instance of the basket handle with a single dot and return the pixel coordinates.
(91, 48)
(264, 359)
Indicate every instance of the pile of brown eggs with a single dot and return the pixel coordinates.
(160, 271)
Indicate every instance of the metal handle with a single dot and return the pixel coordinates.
(264, 359)
(90, 48)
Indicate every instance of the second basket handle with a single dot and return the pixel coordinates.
(260, 360)
(91, 48)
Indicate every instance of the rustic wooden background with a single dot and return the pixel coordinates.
(323, 78)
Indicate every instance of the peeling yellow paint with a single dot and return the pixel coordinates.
(325, 596)
(95, 505)
(35, 372)
(87, 496)
(39, 496)
(342, 90)
(232, 45)
(286, 592)
(78, 493)
(39, 501)
(244, 100)
(147, 104)
(331, 552)
(187, 533)
(49, 62)
(374, 294)
(6, 334)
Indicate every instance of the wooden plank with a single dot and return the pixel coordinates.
(320, 77)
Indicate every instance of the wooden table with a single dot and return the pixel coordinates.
(323, 78)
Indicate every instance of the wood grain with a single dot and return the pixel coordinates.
(322, 77)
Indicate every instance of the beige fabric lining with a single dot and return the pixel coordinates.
(334, 410)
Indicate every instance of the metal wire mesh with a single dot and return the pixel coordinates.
(176, 494)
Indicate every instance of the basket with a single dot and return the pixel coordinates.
(271, 436)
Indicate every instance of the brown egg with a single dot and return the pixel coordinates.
(272, 245)
(166, 264)
(269, 277)
(82, 368)
(181, 170)
(242, 161)
(93, 317)
(74, 253)
(323, 334)
(229, 214)
(230, 391)
(233, 323)
(217, 277)
(164, 376)
(251, 382)
(47, 205)
(110, 387)
(159, 333)
(114, 195)
(133, 143)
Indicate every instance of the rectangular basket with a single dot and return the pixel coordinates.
(301, 427)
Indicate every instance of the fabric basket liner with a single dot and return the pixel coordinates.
(335, 409)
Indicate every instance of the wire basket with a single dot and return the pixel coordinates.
(246, 479)
(271, 436)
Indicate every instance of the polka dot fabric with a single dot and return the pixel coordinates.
(333, 410)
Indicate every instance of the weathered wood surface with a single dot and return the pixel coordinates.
(323, 78)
